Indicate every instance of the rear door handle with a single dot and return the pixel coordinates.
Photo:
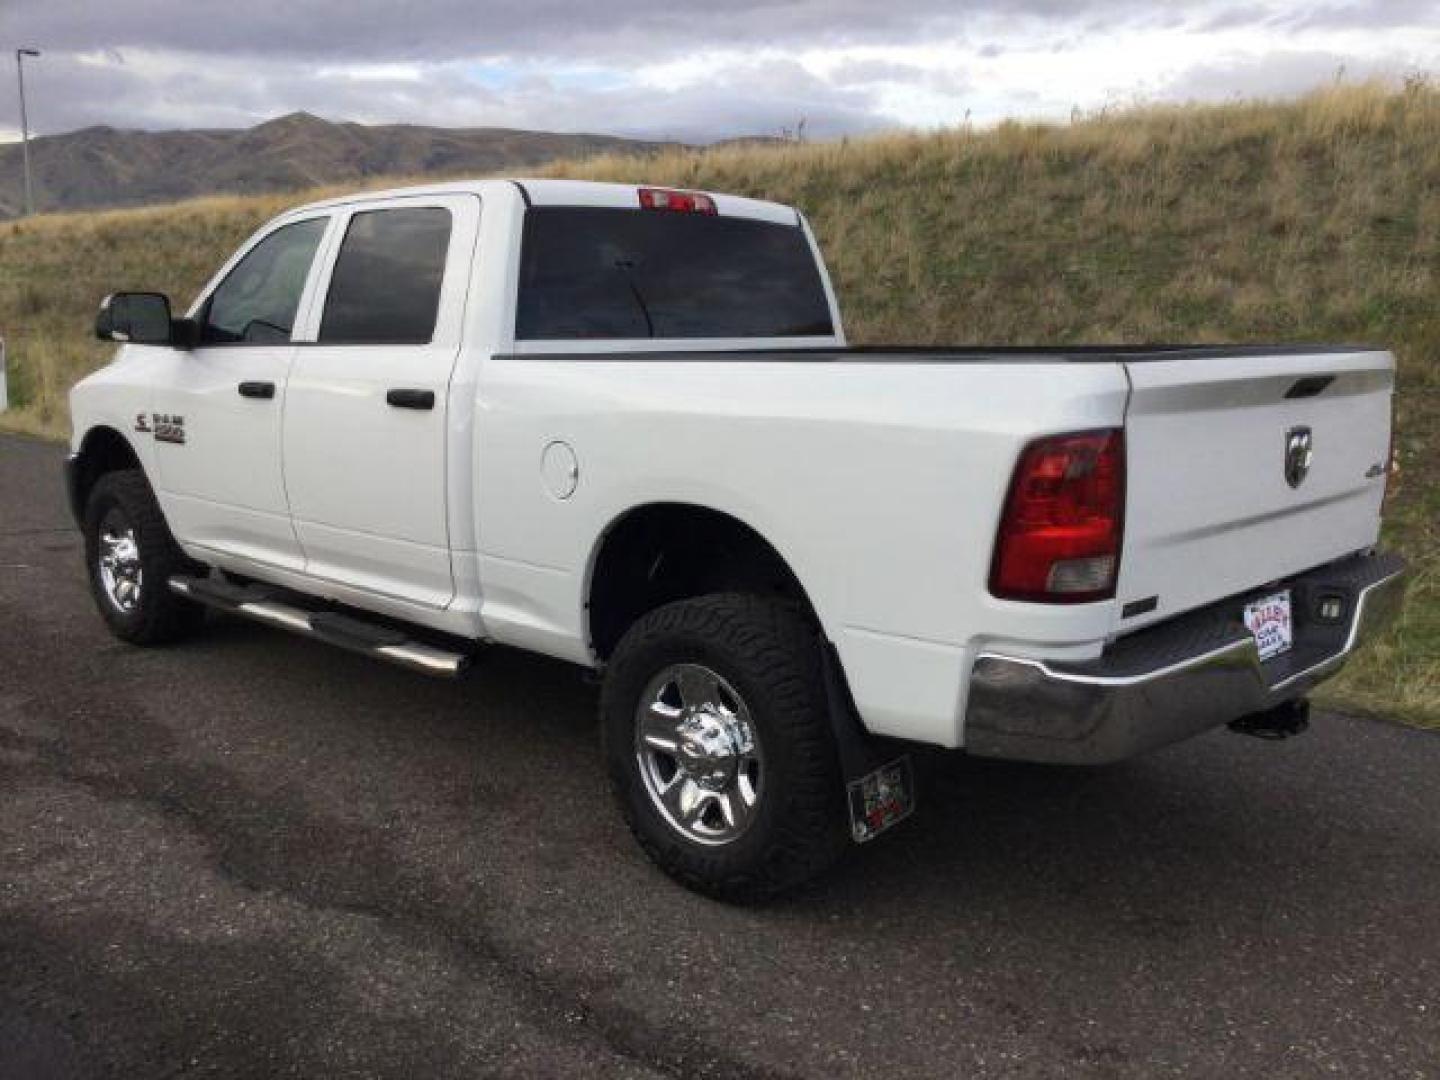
(410, 399)
(265, 390)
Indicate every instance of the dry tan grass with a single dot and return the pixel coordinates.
(1316, 220)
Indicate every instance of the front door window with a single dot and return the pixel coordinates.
(257, 302)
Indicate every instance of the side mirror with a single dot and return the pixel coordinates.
(140, 318)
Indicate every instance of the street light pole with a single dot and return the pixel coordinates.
(20, 55)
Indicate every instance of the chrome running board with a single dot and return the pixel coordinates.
(264, 604)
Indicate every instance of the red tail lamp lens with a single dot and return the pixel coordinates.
(1059, 538)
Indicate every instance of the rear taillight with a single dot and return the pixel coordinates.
(686, 202)
(1059, 539)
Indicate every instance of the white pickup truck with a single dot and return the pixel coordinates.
(620, 426)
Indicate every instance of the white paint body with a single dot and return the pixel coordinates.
(880, 482)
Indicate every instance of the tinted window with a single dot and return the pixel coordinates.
(601, 273)
(257, 301)
(386, 286)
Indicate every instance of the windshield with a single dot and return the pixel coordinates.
(596, 273)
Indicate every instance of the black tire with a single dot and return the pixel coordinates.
(768, 653)
(157, 615)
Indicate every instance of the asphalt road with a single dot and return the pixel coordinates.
(253, 855)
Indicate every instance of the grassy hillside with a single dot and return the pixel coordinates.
(1312, 221)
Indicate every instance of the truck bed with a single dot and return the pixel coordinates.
(1209, 512)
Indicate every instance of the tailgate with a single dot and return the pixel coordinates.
(1210, 511)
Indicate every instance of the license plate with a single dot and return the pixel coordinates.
(1268, 620)
(881, 799)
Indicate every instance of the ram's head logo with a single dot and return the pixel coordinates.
(1299, 452)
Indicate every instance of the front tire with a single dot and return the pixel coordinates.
(131, 556)
(716, 732)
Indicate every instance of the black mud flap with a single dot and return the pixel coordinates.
(880, 793)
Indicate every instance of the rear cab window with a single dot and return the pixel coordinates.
(600, 273)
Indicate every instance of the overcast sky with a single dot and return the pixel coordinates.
(697, 70)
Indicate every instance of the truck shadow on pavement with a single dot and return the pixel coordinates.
(1161, 842)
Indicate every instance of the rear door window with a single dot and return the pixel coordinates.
(385, 288)
(596, 273)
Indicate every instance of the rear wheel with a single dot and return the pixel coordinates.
(131, 557)
(717, 737)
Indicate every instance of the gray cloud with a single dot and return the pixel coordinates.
(754, 98)
(1358, 14)
(562, 65)
(1337, 15)
(449, 29)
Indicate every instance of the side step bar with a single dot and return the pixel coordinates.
(262, 604)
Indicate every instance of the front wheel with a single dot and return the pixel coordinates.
(717, 737)
(131, 557)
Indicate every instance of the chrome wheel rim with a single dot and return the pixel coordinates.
(119, 562)
(699, 755)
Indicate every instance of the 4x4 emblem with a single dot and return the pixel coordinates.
(1299, 453)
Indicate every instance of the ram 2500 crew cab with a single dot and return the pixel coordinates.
(621, 426)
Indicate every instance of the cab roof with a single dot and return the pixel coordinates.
(553, 192)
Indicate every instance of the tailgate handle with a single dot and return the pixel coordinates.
(410, 399)
(1310, 386)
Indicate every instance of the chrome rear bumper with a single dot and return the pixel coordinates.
(1176, 679)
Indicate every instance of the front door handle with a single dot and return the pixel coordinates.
(410, 399)
(264, 390)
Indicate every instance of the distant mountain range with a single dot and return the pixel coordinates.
(103, 166)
